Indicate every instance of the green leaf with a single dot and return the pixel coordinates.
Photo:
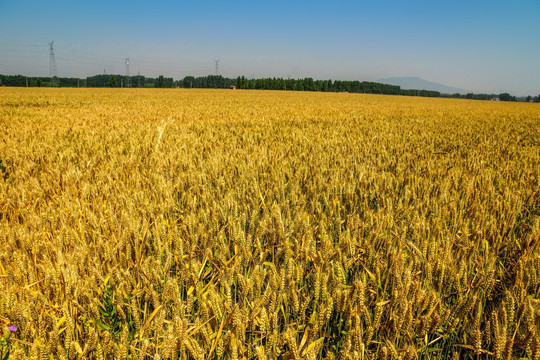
(103, 311)
(102, 325)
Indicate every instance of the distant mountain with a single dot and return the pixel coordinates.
(417, 83)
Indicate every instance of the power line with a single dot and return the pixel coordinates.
(86, 54)
(21, 45)
(52, 62)
(128, 80)
(172, 62)
(77, 61)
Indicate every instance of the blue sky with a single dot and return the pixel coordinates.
(481, 46)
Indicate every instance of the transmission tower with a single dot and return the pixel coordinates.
(217, 68)
(52, 62)
(128, 80)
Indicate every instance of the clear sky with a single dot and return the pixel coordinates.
(480, 46)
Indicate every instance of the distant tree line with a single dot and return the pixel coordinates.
(207, 82)
(241, 82)
(308, 84)
(131, 81)
(104, 80)
(20, 80)
(500, 97)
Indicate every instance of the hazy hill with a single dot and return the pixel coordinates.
(407, 83)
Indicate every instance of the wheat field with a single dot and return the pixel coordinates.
(218, 224)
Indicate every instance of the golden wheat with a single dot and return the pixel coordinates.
(191, 224)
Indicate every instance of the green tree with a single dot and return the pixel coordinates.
(112, 81)
(39, 83)
(161, 81)
(506, 97)
(187, 82)
(308, 84)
